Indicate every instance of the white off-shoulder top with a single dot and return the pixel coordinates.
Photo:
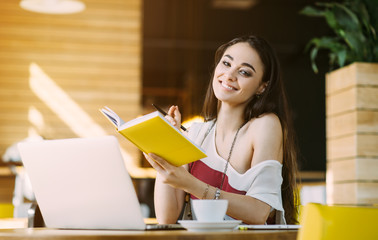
(262, 181)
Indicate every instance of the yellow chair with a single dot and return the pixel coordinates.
(320, 222)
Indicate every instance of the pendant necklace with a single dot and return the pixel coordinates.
(229, 155)
(187, 196)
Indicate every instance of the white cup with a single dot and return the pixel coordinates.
(209, 210)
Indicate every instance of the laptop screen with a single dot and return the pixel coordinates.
(82, 183)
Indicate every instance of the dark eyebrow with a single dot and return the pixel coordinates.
(244, 64)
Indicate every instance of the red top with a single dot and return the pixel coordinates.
(211, 177)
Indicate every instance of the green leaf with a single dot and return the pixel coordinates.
(325, 4)
(313, 41)
(356, 42)
(372, 8)
(330, 43)
(349, 12)
(341, 57)
(373, 32)
(313, 54)
(332, 59)
(346, 19)
(331, 20)
(364, 15)
(311, 11)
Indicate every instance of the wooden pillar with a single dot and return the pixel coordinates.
(352, 134)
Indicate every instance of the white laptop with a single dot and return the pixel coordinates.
(82, 183)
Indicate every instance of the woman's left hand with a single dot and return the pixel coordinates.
(177, 177)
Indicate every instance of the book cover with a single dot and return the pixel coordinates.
(154, 133)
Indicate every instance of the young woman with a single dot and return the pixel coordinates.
(247, 136)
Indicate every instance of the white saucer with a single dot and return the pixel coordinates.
(196, 226)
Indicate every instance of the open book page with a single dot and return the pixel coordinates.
(112, 117)
(141, 119)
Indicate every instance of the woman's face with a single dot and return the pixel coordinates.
(238, 75)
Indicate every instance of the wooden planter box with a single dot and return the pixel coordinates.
(352, 134)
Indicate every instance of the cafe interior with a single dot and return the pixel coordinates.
(59, 65)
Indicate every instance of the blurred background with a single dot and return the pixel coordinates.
(57, 70)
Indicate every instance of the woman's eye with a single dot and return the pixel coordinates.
(245, 73)
(226, 63)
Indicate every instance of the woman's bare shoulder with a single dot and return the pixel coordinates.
(265, 122)
(266, 136)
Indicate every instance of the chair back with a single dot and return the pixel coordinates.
(321, 222)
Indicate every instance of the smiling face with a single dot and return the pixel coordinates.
(238, 75)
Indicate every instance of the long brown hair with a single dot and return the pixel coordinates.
(272, 100)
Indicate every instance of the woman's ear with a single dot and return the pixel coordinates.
(262, 88)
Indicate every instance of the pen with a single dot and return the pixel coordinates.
(164, 113)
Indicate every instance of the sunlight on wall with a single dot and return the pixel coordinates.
(72, 114)
(62, 105)
(35, 117)
(190, 121)
(38, 123)
(329, 186)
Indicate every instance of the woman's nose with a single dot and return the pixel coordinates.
(231, 74)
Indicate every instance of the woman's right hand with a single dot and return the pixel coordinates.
(174, 116)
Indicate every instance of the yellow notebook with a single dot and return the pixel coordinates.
(153, 133)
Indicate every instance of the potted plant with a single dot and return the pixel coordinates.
(355, 26)
(351, 98)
